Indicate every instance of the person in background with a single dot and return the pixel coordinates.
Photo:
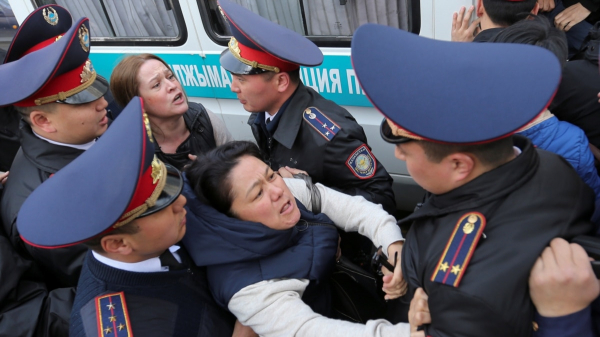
(180, 128)
(546, 131)
(492, 17)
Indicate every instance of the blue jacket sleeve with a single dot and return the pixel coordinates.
(578, 324)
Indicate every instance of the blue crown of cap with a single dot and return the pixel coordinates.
(90, 194)
(254, 31)
(453, 92)
(44, 23)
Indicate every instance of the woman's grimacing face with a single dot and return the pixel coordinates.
(162, 93)
(260, 195)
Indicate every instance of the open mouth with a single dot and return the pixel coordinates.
(177, 97)
(286, 207)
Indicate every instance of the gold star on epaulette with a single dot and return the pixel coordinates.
(455, 269)
(121, 326)
(112, 318)
(444, 266)
(107, 330)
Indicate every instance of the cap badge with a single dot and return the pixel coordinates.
(88, 72)
(50, 15)
(148, 129)
(84, 38)
(155, 170)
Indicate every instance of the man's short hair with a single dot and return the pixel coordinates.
(25, 112)
(294, 75)
(537, 31)
(506, 13)
(491, 154)
(95, 243)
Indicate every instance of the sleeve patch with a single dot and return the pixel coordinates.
(362, 163)
(112, 315)
(321, 123)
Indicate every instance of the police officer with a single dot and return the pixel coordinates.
(493, 203)
(49, 79)
(126, 205)
(293, 125)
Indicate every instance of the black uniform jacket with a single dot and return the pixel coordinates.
(576, 100)
(201, 139)
(35, 162)
(295, 143)
(43, 284)
(527, 202)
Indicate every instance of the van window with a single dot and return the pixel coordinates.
(8, 26)
(151, 22)
(326, 22)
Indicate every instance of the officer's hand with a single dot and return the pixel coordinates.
(418, 314)
(3, 177)
(562, 281)
(240, 330)
(288, 172)
(394, 284)
(546, 5)
(571, 16)
(462, 30)
(192, 157)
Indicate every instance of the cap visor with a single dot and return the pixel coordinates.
(170, 192)
(235, 66)
(89, 94)
(388, 136)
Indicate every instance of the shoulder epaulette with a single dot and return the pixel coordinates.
(112, 315)
(321, 123)
(455, 259)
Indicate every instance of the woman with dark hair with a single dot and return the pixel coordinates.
(180, 128)
(269, 255)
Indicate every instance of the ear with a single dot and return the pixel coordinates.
(536, 9)
(40, 120)
(282, 81)
(461, 166)
(480, 10)
(116, 244)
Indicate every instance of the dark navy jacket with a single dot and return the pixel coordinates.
(241, 253)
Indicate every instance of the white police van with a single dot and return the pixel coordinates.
(190, 35)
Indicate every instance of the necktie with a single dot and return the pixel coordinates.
(168, 260)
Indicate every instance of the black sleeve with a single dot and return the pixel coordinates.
(351, 168)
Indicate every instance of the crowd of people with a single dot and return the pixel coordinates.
(127, 209)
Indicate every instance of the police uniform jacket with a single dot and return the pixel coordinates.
(35, 162)
(296, 143)
(526, 202)
(166, 303)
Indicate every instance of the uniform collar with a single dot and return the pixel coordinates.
(489, 186)
(288, 125)
(151, 265)
(83, 147)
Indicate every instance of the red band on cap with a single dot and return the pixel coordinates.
(266, 58)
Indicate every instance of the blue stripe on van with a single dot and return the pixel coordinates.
(204, 77)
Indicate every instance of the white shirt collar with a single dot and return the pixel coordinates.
(147, 266)
(267, 116)
(75, 146)
(517, 151)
